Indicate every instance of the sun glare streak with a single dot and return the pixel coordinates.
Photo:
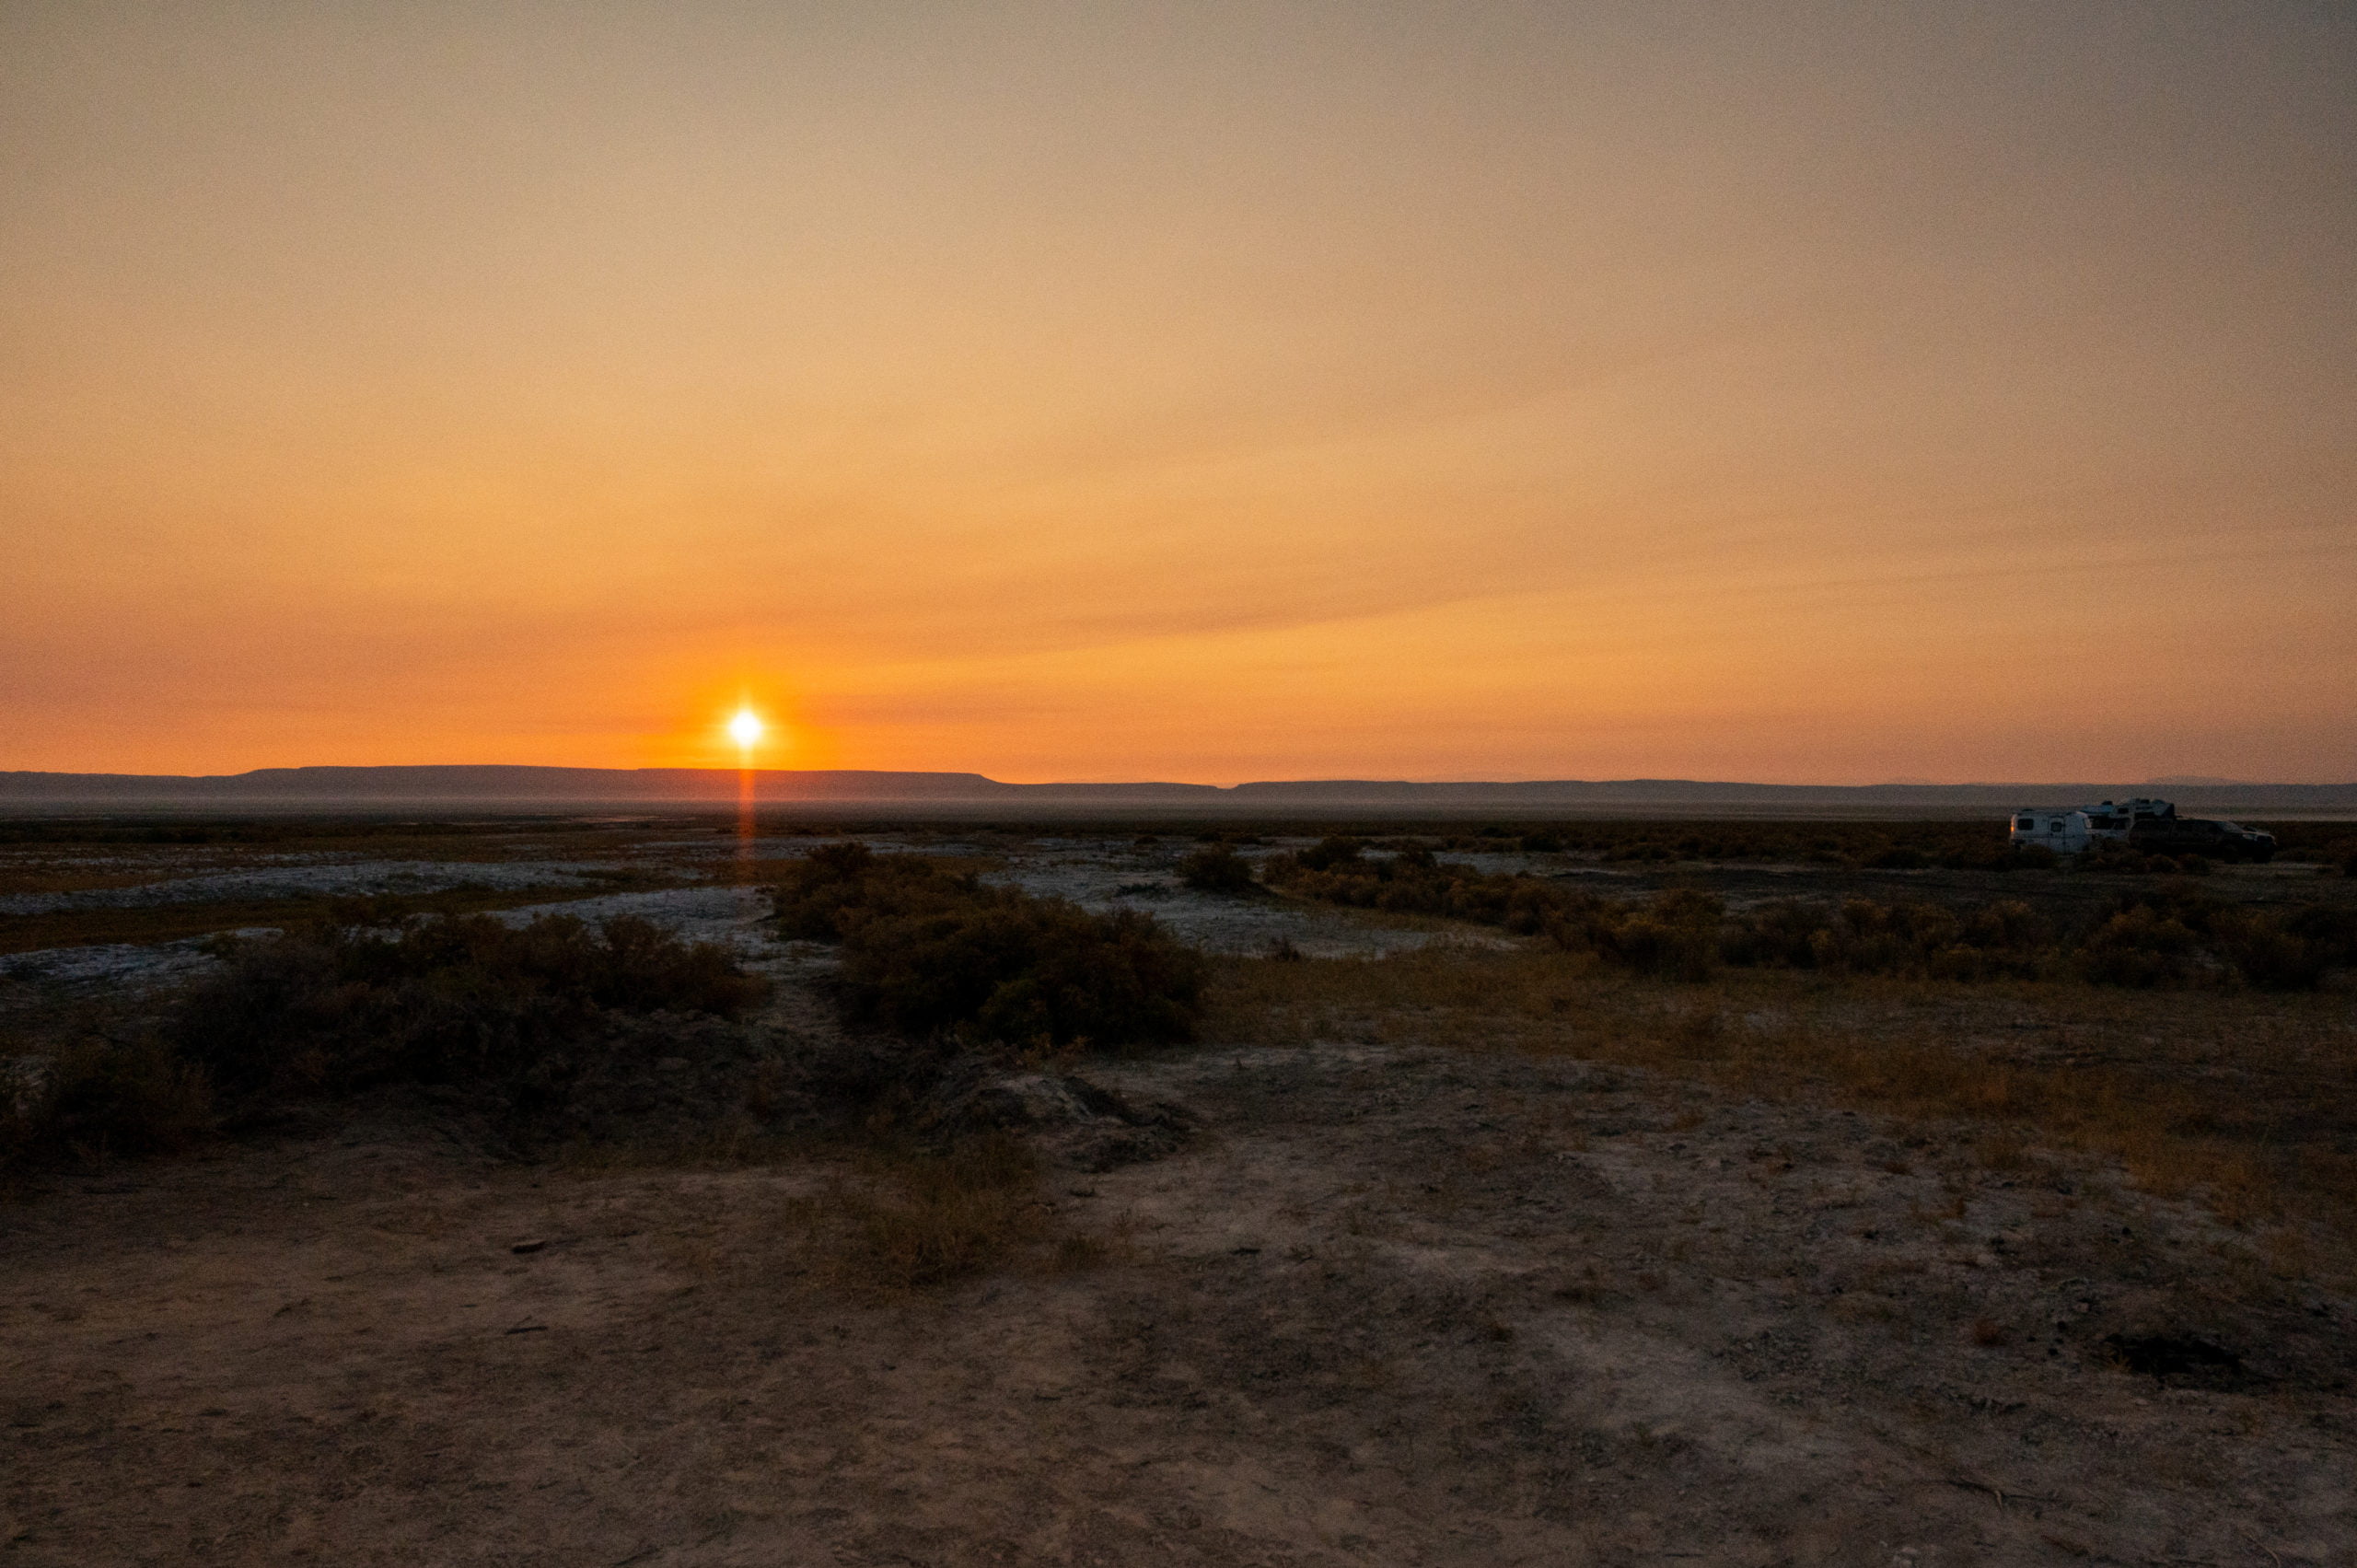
(745, 729)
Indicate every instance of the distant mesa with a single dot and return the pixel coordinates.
(2192, 781)
(330, 788)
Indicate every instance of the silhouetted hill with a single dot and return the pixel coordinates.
(497, 783)
(495, 786)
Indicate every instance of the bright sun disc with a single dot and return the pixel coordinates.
(746, 727)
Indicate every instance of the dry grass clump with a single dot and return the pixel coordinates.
(2174, 935)
(2250, 1109)
(929, 951)
(922, 1219)
(895, 1219)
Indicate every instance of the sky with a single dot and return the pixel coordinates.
(1780, 391)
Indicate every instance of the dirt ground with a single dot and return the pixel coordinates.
(1390, 1304)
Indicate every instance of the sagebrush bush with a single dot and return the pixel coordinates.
(2140, 946)
(1218, 869)
(2171, 934)
(1412, 882)
(928, 952)
(337, 1007)
(2177, 935)
(97, 1097)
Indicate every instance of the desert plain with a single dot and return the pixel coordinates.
(1438, 1242)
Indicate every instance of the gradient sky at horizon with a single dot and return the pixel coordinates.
(1799, 392)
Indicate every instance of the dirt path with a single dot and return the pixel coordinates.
(1390, 1307)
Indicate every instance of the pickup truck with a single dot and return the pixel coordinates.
(2196, 835)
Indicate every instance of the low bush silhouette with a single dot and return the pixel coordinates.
(1218, 869)
(344, 1006)
(2178, 933)
(926, 951)
(2172, 934)
(97, 1097)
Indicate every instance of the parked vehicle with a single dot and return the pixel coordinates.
(2195, 835)
(2151, 826)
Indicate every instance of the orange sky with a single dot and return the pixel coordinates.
(1793, 392)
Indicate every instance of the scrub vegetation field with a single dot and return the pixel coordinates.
(645, 1190)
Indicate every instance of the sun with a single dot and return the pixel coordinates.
(747, 728)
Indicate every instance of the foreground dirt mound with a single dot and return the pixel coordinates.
(1069, 1119)
(665, 1076)
(675, 1078)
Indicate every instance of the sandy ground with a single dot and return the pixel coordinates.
(1090, 872)
(352, 879)
(109, 966)
(1101, 876)
(1391, 1306)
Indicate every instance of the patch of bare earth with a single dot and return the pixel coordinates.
(1391, 1305)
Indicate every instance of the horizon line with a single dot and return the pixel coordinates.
(2163, 782)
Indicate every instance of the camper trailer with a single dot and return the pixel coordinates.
(2070, 829)
(2142, 823)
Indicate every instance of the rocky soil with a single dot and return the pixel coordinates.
(1335, 1303)
(1377, 1306)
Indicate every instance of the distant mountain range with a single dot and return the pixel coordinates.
(493, 785)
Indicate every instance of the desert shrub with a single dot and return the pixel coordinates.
(2332, 929)
(2007, 937)
(1411, 881)
(340, 1007)
(2285, 950)
(2269, 958)
(1782, 933)
(1328, 853)
(2171, 932)
(1218, 869)
(2140, 946)
(925, 952)
(832, 890)
(99, 1097)
(1675, 935)
(2178, 933)
(1013, 969)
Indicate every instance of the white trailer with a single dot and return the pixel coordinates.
(2073, 830)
